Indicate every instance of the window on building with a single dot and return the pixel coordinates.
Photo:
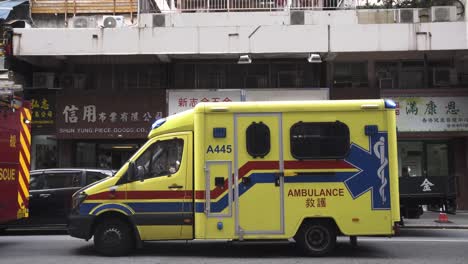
(162, 158)
(258, 140)
(257, 76)
(350, 74)
(184, 76)
(211, 76)
(411, 75)
(235, 76)
(295, 75)
(322, 140)
(442, 74)
(386, 75)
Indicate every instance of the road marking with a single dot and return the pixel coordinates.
(411, 239)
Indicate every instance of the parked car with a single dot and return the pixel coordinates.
(50, 192)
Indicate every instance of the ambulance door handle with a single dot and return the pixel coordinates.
(45, 195)
(175, 186)
(278, 177)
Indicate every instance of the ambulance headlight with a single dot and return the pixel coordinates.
(78, 199)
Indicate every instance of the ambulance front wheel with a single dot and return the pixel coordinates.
(316, 238)
(113, 237)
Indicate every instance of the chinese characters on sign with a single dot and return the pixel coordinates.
(71, 114)
(432, 113)
(181, 100)
(316, 198)
(99, 116)
(43, 110)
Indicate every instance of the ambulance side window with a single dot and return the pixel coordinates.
(162, 158)
(258, 140)
(321, 140)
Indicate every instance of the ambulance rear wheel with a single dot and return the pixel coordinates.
(113, 237)
(317, 238)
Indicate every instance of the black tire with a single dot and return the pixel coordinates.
(113, 237)
(316, 238)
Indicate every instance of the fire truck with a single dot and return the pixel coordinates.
(15, 142)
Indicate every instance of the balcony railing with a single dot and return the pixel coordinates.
(83, 6)
(250, 5)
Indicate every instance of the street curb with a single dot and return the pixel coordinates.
(434, 227)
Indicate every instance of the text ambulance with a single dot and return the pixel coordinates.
(15, 142)
(307, 170)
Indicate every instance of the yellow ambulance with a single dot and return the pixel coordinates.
(308, 170)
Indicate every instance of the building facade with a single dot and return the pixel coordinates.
(99, 76)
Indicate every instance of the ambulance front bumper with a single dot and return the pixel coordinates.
(79, 226)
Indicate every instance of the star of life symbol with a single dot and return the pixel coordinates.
(426, 185)
(379, 152)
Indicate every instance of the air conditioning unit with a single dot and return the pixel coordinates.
(112, 21)
(82, 22)
(386, 83)
(443, 76)
(43, 80)
(73, 81)
(443, 13)
(408, 15)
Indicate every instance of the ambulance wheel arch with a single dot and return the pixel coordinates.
(115, 234)
(317, 236)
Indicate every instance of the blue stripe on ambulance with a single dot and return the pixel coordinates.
(372, 175)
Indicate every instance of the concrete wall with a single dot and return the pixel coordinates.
(243, 32)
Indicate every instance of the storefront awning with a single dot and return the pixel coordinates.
(7, 6)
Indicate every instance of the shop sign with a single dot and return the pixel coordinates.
(43, 110)
(181, 100)
(286, 94)
(108, 116)
(432, 114)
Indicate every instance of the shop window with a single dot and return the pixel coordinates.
(162, 158)
(43, 152)
(86, 155)
(350, 74)
(437, 159)
(423, 159)
(258, 140)
(410, 155)
(322, 140)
